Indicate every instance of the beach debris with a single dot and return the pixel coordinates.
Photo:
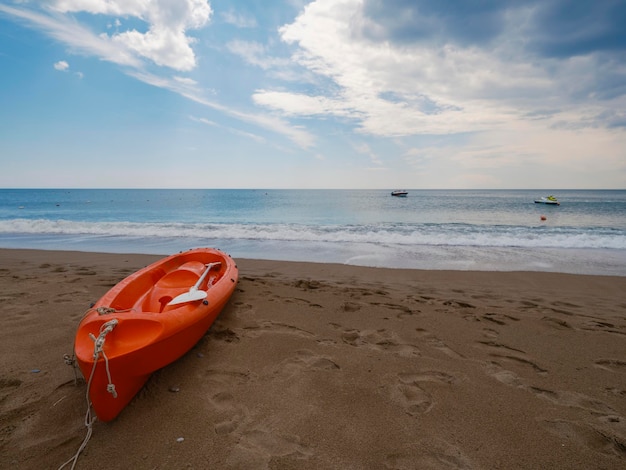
(174, 389)
(58, 401)
(180, 439)
(35, 371)
(543, 217)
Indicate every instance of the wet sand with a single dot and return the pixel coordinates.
(326, 366)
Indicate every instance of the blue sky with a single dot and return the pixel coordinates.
(313, 94)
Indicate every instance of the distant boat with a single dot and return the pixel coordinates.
(399, 193)
(551, 200)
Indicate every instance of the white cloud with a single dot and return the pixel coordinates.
(77, 37)
(61, 65)
(393, 90)
(204, 121)
(238, 20)
(255, 54)
(166, 42)
(296, 134)
(297, 104)
(186, 81)
(162, 46)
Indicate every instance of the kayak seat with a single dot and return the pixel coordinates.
(185, 276)
(172, 284)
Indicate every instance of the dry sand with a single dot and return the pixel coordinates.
(319, 366)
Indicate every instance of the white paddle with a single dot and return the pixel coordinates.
(194, 293)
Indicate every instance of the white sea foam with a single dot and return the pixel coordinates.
(380, 234)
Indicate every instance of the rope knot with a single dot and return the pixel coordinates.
(69, 360)
(98, 349)
(105, 329)
(105, 310)
(111, 390)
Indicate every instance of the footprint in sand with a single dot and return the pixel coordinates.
(350, 307)
(301, 302)
(227, 377)
(438, 344)
(556, 323)
(304, 360)
(497, 345)
(458, 304)
(574, 400)
(562, 398)
(403, 310)
(557, 307)
(616, 391)
(232, 414)
(411, 396)
(585, 435)
(228, 426)
(428, 376)
(219, 333)
(603, 326)
(8, 386)
(504, 376)
(269, 327)
(222, 400)
(429, 454)
(522, 360)
(379, 340)
(510, 354)
(256, 448)
(490, 333)
(499, 318)
(613, 365)
(307, 284)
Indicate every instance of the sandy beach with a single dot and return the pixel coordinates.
(327, 366)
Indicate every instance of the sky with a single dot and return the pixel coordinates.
(369, 94)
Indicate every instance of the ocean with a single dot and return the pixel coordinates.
(496, 230)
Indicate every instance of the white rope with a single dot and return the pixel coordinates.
(105, 310)
(105, 329)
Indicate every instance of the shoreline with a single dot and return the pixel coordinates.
(595, 262)
(308, 363)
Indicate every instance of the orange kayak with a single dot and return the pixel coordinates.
(149, 320)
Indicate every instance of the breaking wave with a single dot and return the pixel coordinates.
(540, 236)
